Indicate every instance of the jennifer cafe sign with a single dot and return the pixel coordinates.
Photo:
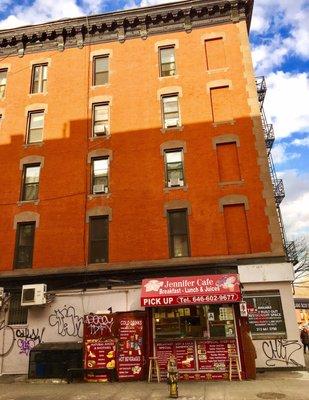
(204, 289)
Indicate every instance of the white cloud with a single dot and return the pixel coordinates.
(294, 207)
(301, 142)
(286, 103)
(281, 154)
(145, 3)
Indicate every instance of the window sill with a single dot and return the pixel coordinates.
(227, 183)
(217, 70)
(105, 137)
(171, 189)
(99, 195)
(25, 202)
(172, 129)
(37, 144)
(37, 94)
(228, 122)
(161, 78)
(93, 87)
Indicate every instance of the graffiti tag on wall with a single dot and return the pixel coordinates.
(99, 323)
(66, 320)
(281, 351)
(25, 338)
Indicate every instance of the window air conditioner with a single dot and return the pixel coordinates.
(101, 131)
(33, 295)
(175, 182)
(100, 189)
(172, 123)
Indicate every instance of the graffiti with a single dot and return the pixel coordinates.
(34, 334)
(25, 338)
(281, 351)
(99, 323)
(8, 333)
(67, 321)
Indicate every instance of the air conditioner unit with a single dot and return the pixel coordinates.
(101, 131)
(172, 123)
(33, 295)
(175, 182)
(100, 189)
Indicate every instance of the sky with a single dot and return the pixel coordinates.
(280, 49)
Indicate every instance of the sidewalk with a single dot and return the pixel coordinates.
(268, 386)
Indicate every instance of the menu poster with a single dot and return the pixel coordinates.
(163, 352)
(100, 354)
(185, 355)
(265, 315)
(213, 355)
(130, 347)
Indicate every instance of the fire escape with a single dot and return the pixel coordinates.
(278, 187)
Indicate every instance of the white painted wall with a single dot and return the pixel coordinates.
(59, 321)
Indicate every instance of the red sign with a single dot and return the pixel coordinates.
(213, 355)
(100, 354)
(205, 289)
(185, 355)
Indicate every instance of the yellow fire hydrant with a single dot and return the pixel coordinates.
(172, 377)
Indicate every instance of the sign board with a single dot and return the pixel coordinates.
(302, 304)
(265, 315)
(243, 309)
(205, 289)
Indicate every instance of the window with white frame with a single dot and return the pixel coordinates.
(30, 185)
(100, 170)
(170, 110)
(100, 70)
(3, 79)
(100, 119)
(167, 61)
(39, 78)
(35, 126)
(174, 173)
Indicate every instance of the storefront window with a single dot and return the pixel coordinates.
(204, 321)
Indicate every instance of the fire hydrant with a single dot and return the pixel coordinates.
(172, 377)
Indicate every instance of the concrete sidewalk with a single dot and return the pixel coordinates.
(269, 386)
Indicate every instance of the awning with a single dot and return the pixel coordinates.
(189, 290)
(301, 304)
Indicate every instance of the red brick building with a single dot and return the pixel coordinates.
(131, 147)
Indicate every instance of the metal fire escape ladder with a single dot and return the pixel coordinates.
(278, 186)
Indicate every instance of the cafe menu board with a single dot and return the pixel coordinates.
(185, 355)
(163, 352)
(100, 354)
(265, 315)
(213, 355)
(130, 347)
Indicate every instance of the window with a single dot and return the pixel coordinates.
(18, 315)
(3, 75)
(178, 233)
(24, 244)
(98, 248)
(35, 126)
(100, 117)
(167, 61)
(100, 167)
(100, 76)
(30, 187)
(39, 78)
(174, 167)
(170, 110)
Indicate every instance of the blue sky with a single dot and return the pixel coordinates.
(280, 45)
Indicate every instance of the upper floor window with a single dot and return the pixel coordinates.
(178, 233)
(170, 110)
(174, 167)
(39, 78)
(24, 245)
(98, 239)
(100, 167)
(100, 116)
(100, 72)
(30, 187)
(167, 61)
(35, 126)
(3, 78)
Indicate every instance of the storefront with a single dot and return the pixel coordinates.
(197, 320)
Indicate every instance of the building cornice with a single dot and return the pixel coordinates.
(123, 25)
